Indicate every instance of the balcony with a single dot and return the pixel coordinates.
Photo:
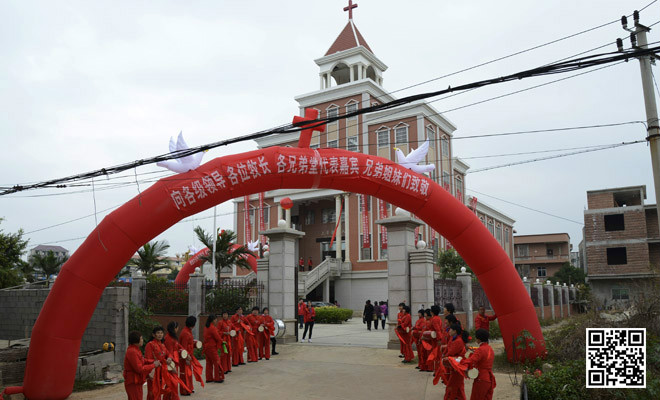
(555, 258)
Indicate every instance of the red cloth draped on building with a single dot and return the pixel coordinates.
(473, 204)
(246, 218)
(382, 214)
(366, 239)
(262, 223)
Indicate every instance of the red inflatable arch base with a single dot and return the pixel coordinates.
(57, 333)
(183, 276)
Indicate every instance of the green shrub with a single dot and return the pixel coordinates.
(228, 299)
(140, 320)
(332, 315)
(563, 381)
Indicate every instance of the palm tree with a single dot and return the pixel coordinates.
(49, 264)
(151, 257)
(225, 256)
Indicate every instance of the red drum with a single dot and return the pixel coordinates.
(429, 336)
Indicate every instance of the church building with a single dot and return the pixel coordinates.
(352, 268)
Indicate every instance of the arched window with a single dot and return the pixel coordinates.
(371, 73)
(342, 73)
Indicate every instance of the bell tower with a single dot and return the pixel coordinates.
(350, 58)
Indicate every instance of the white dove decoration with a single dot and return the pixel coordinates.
(183, 164)
(253, 246)
(415, 156)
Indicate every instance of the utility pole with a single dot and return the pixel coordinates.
(638, 40)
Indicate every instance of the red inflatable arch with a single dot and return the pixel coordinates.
(196, 261)
(57, 333)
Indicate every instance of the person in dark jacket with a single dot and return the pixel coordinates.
(377, 314)
(368, 314)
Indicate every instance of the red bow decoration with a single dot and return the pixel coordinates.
(247, 329)
(426, 345)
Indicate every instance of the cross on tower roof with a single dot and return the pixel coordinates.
(350, 8)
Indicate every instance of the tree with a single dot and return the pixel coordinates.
(49, 264)
(152, 257)
(568, 274)
(450, 263)
(225, 256)
(12, 247)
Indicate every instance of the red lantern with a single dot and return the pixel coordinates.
(286, 203)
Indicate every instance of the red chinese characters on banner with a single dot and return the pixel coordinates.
(382, 214)
(366, 239)
(262, 223)
(246, 218)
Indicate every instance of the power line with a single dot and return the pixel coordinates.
(576, 64)
(521, 52)
(525, 207)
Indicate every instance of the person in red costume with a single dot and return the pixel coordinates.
(174, 348)
(482, 359)
(252, 338)
(269, 325)
(436, 325)
(224, 329)
(398, 322)
(238, 341)
(455, 348)
(428, 365)
(187, 342)
(301, 313)
(156, 350)
(310, 317)
(482, 321)
(418, 330)
(405, 335)
(212, 342)
(136, 367)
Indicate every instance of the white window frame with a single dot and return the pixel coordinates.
(378, 132)
(352, 147)
(444, 144)
(396, 137)
(430, 135)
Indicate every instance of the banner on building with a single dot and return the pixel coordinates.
(246, 219)
(416, 231)
(366, 240)
(459, 195)
(382, 214)
(262, 223)
(432, 234)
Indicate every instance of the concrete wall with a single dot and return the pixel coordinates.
(19, 310)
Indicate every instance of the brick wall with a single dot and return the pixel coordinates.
(19, 310)
(652, 223)
(637, 254)
(600, 200)
(634, 221)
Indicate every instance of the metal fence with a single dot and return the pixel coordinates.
(167, 298)
(228, 295)
(534, 293)
(479, 298)
(448, 291)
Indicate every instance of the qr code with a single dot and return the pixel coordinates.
(616, 357)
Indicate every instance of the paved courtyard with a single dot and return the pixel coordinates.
(342, 362)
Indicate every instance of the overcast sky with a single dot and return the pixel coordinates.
(93, 84)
